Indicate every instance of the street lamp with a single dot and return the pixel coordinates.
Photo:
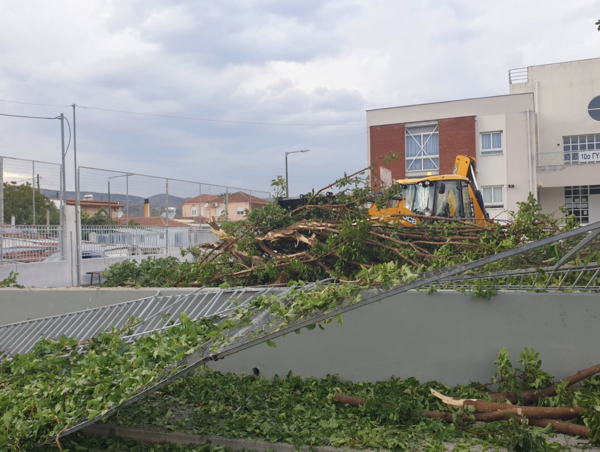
(127, 189)
(287, 184)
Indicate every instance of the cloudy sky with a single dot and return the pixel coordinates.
(282, 63)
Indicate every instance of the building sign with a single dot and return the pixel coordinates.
(589, 156)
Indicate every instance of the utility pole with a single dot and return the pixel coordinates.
(77, 206)
(63, 189)
(38, 181)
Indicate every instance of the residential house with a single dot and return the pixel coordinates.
(232, 206)
(91, 208)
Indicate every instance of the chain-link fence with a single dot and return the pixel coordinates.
(124, 213)
(30, 210)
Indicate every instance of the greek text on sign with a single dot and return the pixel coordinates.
(589, 156)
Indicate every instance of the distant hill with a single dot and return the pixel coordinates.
(158, 203)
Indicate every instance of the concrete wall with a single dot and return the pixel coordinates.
(551, 199)
(17, 305)
(63, 273)
(446, 336)
(563, 92)
(511, 115)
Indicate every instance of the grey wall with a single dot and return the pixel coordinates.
(17, 305)
(446, 336)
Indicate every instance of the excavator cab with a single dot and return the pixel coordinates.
(449, 196)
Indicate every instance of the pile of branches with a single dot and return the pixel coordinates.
(334, 236)
(535, 407)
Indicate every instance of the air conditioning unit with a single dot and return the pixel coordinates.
(88, 197)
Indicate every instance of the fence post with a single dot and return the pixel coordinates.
(1, 190)
(1, 208)
(127, 207)
(167, 215)
(227, 203)
(199, 204)
(33, 189)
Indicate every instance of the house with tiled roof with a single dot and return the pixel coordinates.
(151, 221)
(233, 206)
(91, 207)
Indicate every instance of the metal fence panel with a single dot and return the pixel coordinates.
(30, 210)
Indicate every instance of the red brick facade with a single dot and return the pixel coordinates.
(383, 140)
(457, 137)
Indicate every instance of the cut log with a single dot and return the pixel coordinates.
(562, 427)
(558, 426)
(533, 395)
(348, 400)
(482, 406)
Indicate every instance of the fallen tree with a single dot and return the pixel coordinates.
(335, 237)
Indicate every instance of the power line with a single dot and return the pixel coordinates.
(29, 103)
(219, 120)
(190, 118)
(28, 117)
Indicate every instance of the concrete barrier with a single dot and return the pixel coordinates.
(446, 336)
(17, 305)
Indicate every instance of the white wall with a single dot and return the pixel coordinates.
(410, 335)
(552, 199)
(563, 92)
(512, 115)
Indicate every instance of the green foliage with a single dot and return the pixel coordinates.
(302, 412)
(529, 376)
(18, 201)
(11, 281)
(279, 186)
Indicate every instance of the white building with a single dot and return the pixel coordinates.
(543, 138)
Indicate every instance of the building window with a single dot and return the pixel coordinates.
(492, 196)
(194, 211)
(577, 201)
(581, 149)
(594, 108)
(491, 143)
(240, 210)
(422, 149)
(220, 211)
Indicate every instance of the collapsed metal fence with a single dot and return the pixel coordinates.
(538, 264)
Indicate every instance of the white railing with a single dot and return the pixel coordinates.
(29, 243)
(104, 241)
(518, 75)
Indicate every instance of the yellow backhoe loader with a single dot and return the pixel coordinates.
(446, 196)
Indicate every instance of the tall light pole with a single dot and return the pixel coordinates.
(287, 184)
